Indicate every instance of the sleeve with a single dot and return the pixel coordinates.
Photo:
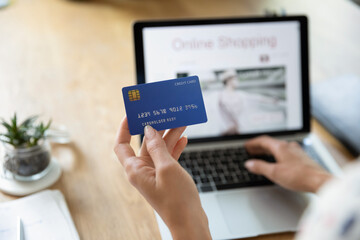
(335, 213)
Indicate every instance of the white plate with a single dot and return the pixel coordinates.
(18, 188)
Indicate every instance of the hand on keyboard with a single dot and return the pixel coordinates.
(293, 168)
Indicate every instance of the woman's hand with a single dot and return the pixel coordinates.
(293, 169)
(157, 175)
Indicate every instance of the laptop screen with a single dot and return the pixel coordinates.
(250, 73)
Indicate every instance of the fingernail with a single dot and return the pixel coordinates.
(149, 131)
(249, 164)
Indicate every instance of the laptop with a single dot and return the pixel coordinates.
(254, 75)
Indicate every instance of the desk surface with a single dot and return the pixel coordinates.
(69, 60)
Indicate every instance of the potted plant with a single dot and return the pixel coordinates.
(27, 152)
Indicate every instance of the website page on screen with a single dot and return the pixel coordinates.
(250, 74)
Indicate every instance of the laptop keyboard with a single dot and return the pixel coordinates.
(221, 169)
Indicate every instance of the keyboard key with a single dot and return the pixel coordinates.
(204, 180)
(217, 179)
(206, 188)
(195, 172)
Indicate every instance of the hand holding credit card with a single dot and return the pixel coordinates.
(164, 104)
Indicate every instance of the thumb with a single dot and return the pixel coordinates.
(156, 146)
(260, 167)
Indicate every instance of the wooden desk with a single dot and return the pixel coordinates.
(69, 61)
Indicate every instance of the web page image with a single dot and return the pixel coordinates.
(241, 101)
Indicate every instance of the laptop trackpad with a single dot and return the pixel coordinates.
(256, 210)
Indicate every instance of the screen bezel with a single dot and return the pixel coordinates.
(304, 50)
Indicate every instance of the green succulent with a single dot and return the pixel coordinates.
(25, 134)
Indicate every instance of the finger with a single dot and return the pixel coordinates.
(261, 167)
(172, 137)
(123, 133)
(143, 150)
(156, 146)
(264, 145)
(122, 147)
(179, 148)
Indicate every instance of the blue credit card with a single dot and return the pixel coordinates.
(164, 104)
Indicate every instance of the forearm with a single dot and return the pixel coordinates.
(191, 233)
(191, 228)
